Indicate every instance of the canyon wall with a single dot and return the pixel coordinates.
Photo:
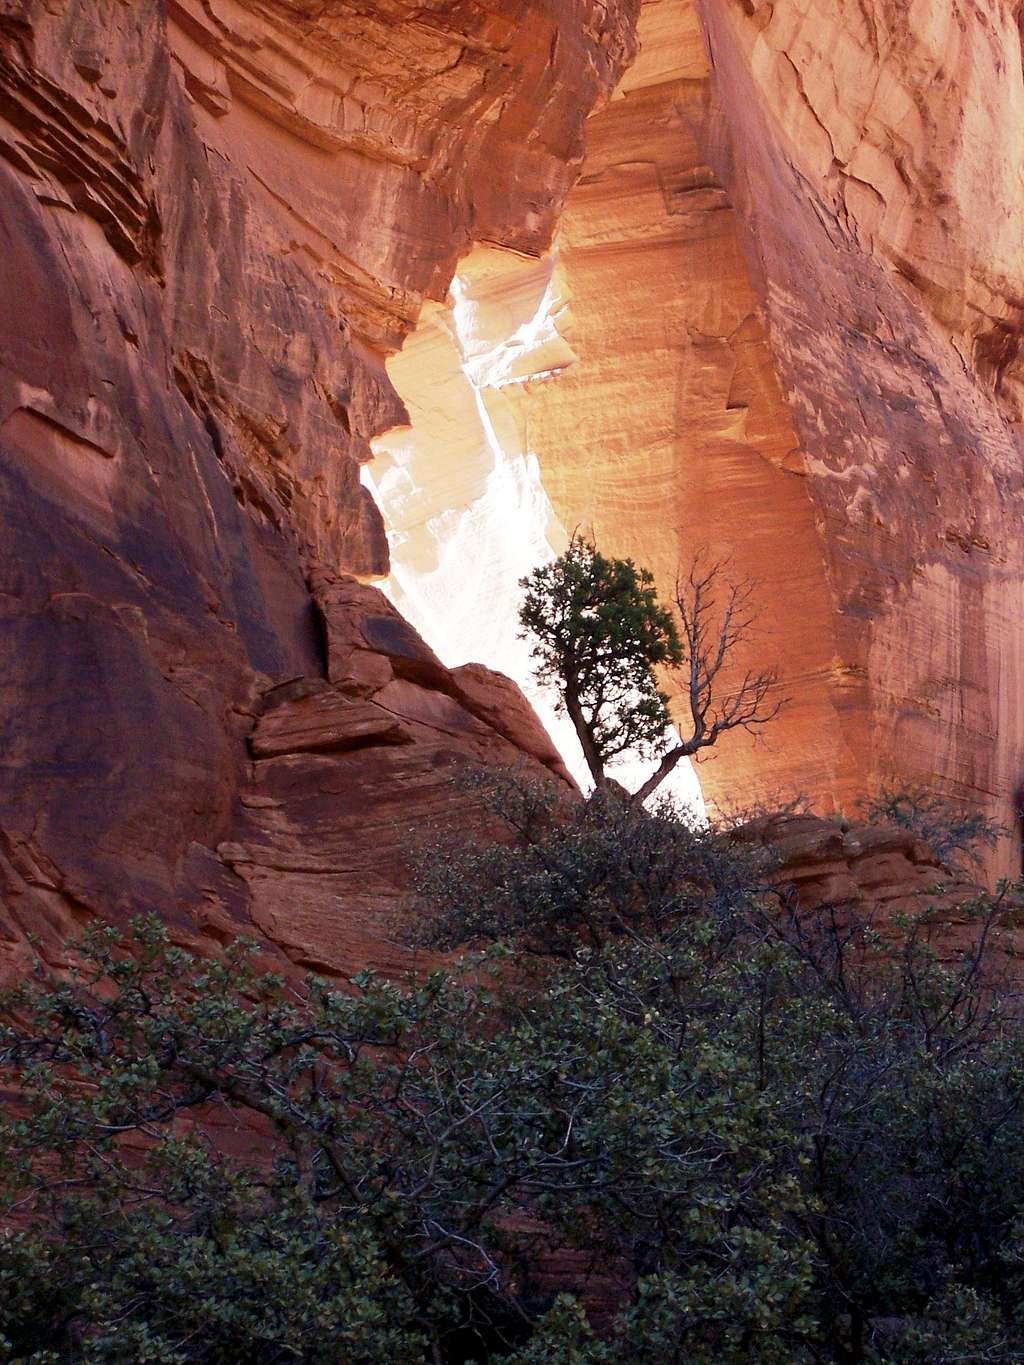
(671, 432)
(785, 321)
(793, 273)
(880, 182)
(217, 218)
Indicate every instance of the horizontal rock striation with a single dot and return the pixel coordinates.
(216, 219)
(794, 272)
(356, 775)
(875, 156)
(883, 878)
(794, 278)
(671, 432)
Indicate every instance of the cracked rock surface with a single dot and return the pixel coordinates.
(794, 270)
(216, 219)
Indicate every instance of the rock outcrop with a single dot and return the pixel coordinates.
(356, 774)
(881, 877)
(353, 772)
(216, 218)
(878, 872)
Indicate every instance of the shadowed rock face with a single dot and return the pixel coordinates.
(215, 220)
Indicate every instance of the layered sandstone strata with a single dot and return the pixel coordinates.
(216, 218)
(793, 272)
(670, 432)
(877, 875)
(892, 273)
(784, 328)
(352, 780)
(789, 294)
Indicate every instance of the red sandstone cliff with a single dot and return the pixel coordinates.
(794, 258)
(796, 299)
(215, 220)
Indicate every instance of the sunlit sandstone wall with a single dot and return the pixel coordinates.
(884, 220)
(670, 431)
(877, 162)
(793, 274)
(460, 487)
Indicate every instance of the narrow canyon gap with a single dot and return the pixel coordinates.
(462, 490)
(779, 315)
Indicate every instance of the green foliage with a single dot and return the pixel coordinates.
(752, 1136)
(598, 631)
(583, 873)
(957, 835)
(137, 1237)
(897, 1080)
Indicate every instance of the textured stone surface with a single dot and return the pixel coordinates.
(325, 722)
(670, 431)
(346, 791)
(215, 220)
(888, 265)
(884, 877)
(793, 272)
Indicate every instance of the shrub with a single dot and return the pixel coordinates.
(778, 1140)
(582, 872)
(958, 835)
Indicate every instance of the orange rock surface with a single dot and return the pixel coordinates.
(794, 272)
(670, 432)
(889, 271)
(351, 780)
(216, 218)
(790, 296)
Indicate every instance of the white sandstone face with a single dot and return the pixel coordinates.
(460, 488)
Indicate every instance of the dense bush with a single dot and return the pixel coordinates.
(582, 873)
(957, 834)
(778, 1140)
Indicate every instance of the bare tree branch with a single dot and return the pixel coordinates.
(710, 636)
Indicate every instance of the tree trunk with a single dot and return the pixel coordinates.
(590, 750)
(661, 772)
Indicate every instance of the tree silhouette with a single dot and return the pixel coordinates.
(599, 632)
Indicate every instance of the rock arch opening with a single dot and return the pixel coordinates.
(461, 487)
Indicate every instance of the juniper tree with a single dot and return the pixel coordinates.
(599, 633)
